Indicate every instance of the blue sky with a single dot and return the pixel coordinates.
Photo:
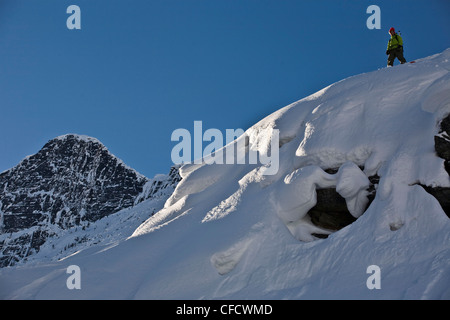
(137, 70)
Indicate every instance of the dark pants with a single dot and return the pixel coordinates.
(396, 53)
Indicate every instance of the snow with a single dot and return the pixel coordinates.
(79, 137)
(109, 230)
(231, 232)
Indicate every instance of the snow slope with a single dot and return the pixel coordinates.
(231, 232)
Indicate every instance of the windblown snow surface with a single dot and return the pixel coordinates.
(231, 232)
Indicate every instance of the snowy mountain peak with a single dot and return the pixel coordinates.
(78, 137)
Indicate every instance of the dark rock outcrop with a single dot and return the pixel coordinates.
(442, 142)
(442, 147)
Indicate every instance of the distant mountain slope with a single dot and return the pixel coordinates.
(375, 143)
(72, 181)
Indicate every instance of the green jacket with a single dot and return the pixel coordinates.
(395, 42)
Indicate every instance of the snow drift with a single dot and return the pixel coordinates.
(231, 232)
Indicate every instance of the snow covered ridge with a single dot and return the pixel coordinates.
(366, 143)
(384, 122)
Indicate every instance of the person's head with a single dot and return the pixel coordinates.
(392, 31)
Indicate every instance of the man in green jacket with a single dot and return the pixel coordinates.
(395, 48)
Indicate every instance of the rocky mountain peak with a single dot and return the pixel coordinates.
(72, 181)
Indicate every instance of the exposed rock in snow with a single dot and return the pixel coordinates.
(442, 146)
(442, 142)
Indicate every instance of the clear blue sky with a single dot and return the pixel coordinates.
(137, 70)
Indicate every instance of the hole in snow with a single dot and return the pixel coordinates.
(330, 212)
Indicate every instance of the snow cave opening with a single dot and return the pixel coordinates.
(331, 211)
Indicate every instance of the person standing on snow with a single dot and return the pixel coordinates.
(395, 48)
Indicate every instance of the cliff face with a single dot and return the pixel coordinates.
(72, 181)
